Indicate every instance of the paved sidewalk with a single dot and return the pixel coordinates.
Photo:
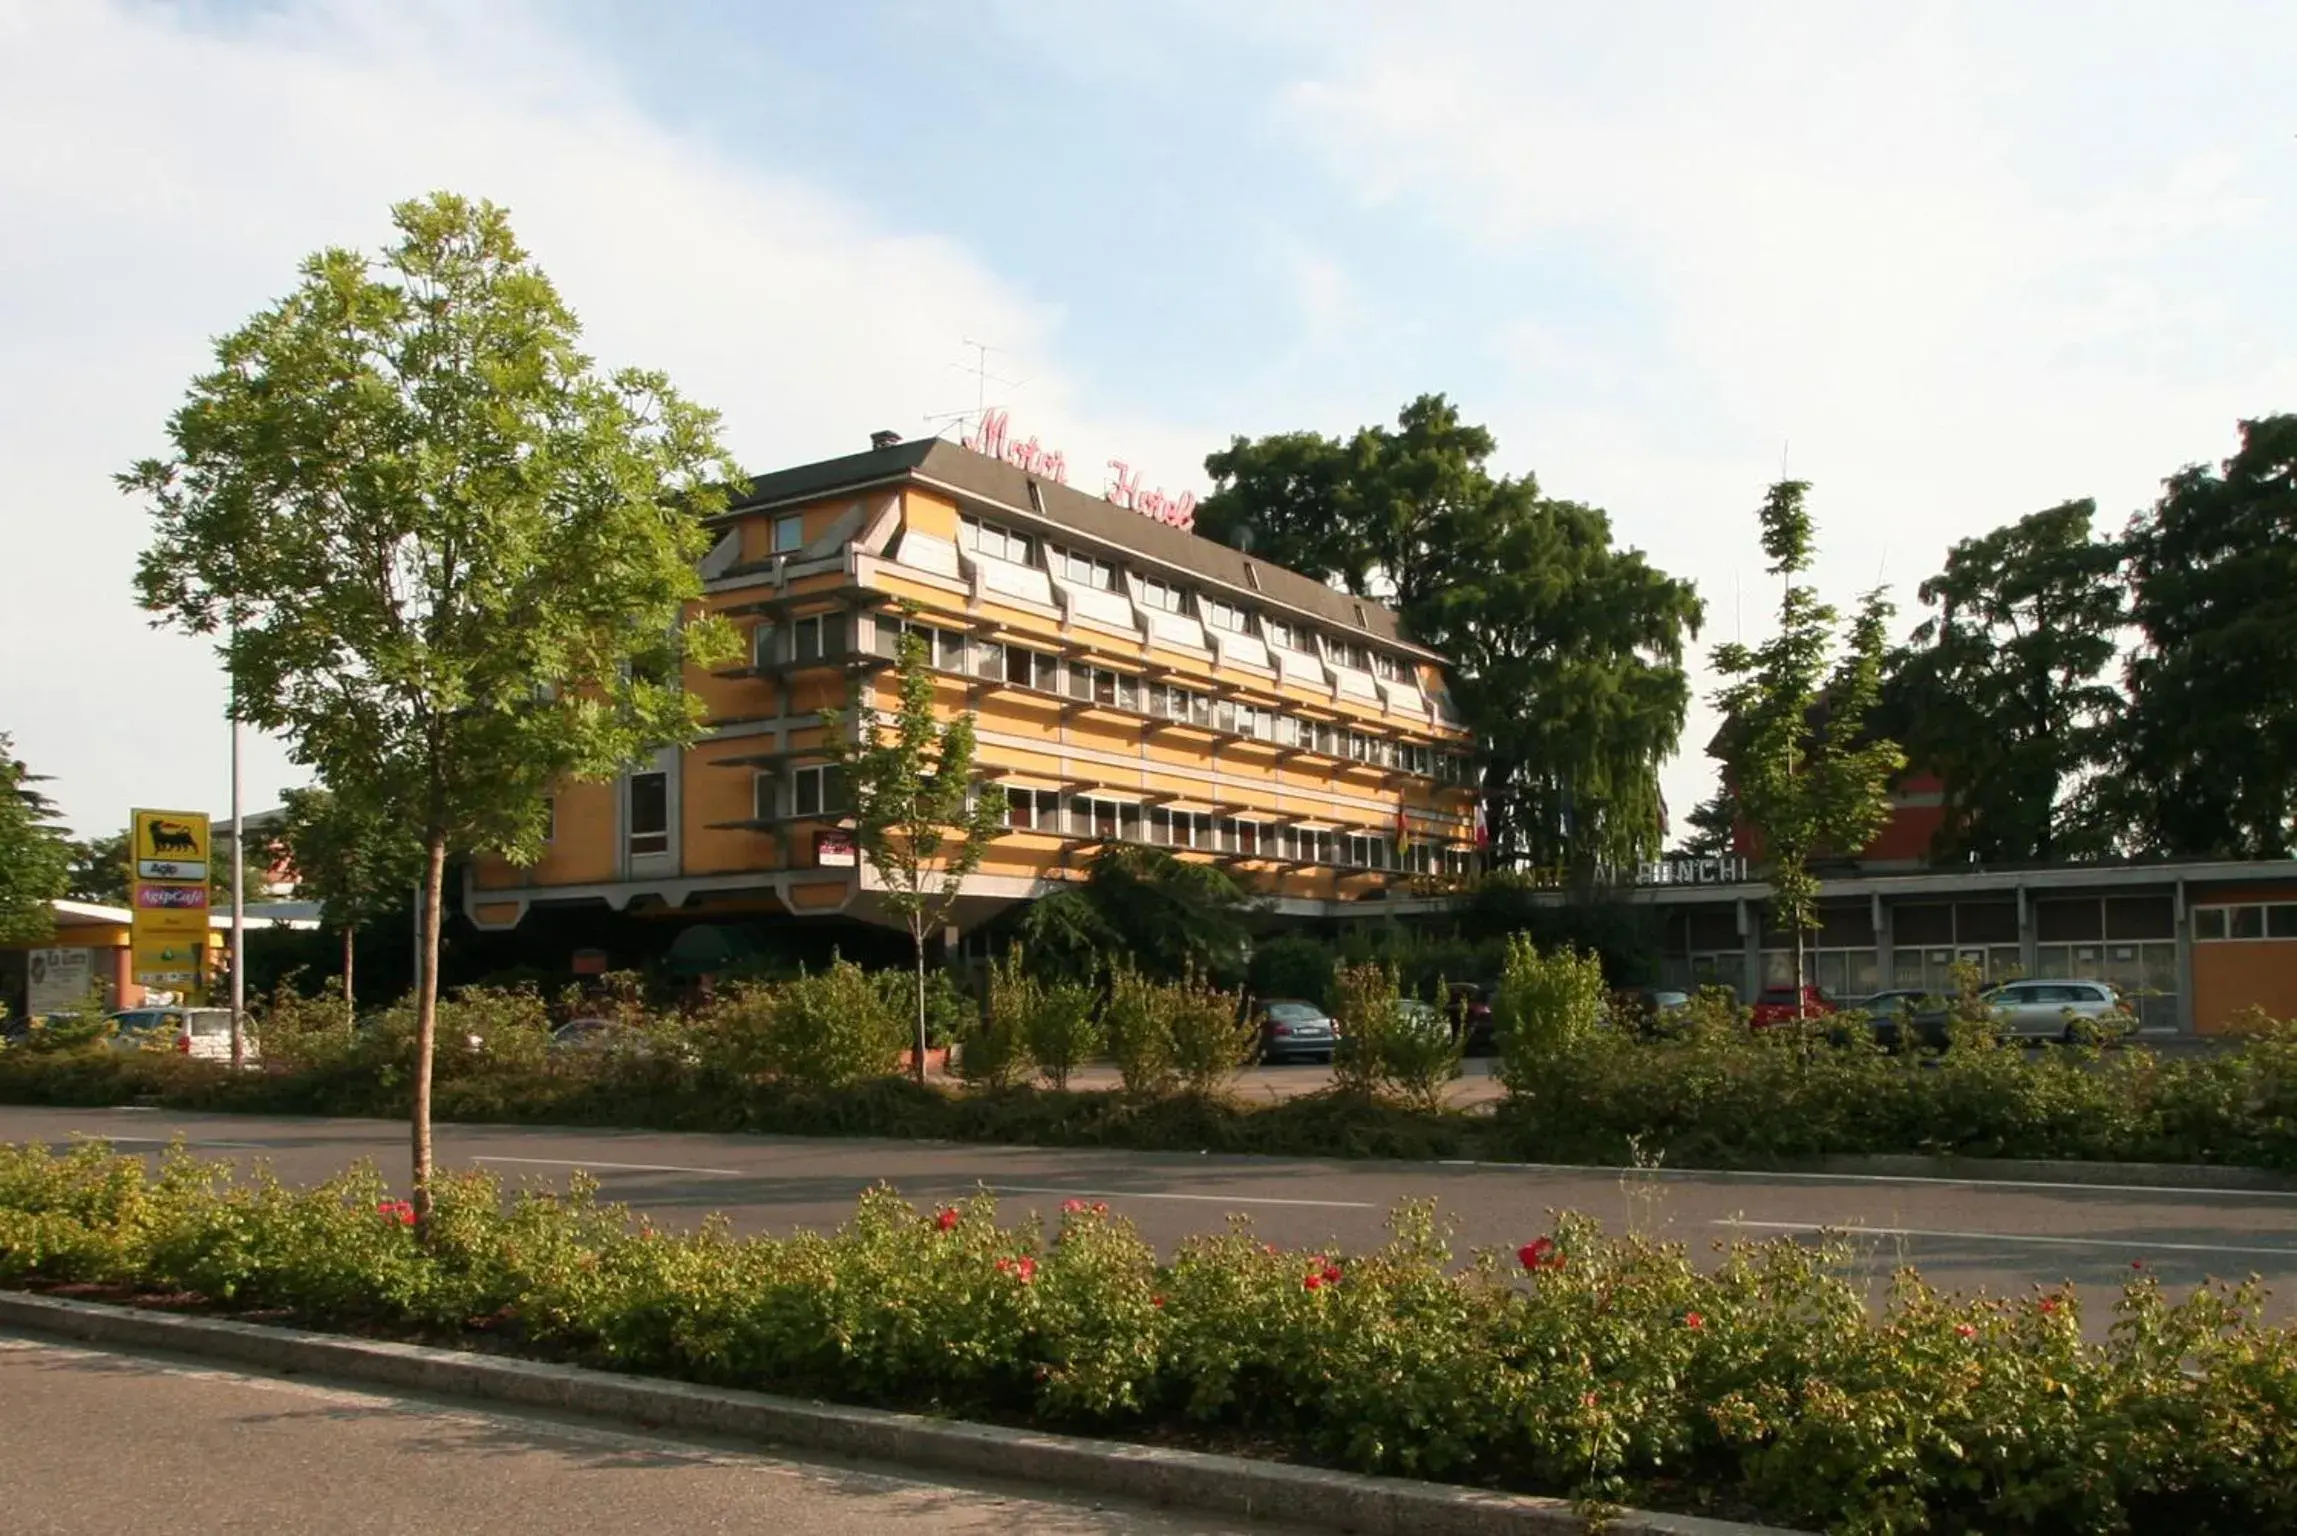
(98, 1443)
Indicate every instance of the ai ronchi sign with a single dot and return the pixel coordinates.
(995, 437)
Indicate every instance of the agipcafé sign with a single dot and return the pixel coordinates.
(994, 437)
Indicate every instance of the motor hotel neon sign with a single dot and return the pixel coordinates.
(994, 437)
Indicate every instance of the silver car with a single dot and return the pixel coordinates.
(1291, 1030)
(2051, 1010)
(203, 1033)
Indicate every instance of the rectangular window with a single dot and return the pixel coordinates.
(2209, 922)
(1160, 594)
(762, 645)
(1085, 571)
(789, 534)
(949, 650)
(1384, 665)
(817, 637)
(2246, 922)
(649, 813)
(995, 542)
(818, 791)
(988, 659)
(1284, 636)
(1033, 809)
(2281, 921)
(1227, 616)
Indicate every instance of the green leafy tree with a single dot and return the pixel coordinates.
(357, 863)
(451, 556)
(2002, 692)
(1809, 776)
(99, 871)
(35, 860)
(2207, 761)
(1712, 825)
(1567, 651)
(1146, 907)
(916, 815)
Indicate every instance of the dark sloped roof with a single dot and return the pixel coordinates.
(1103, 522)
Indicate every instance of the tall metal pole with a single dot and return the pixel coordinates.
(238, 894)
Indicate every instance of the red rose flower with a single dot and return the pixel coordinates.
(947, 1218)
(1026, 1268)
(1693, 1320)
(1312, 1282)
(1100, 1207)
(1538, 1254)
(1965, 1330)
(1071, 1207)
(1156, 1301)
(1331, 1274)
(2049, 1305)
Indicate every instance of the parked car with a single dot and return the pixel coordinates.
(1776, 1005)
(201, 1033)
(1898, 1014)
(2055, 1010)
(1470, 1007)
(1425, 1018)
(1292, 1030)
(1648, 1011)
(586, 1035)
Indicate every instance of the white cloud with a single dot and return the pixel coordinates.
(164, 179)
(1959, 266)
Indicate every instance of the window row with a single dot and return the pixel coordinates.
(2254, 920)
(952, 650)
(813, 638)
(1093, 816)
(998, 542)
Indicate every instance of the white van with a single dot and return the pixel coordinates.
(204, 1033)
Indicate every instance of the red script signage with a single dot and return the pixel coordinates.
(1125, 491)
(994, 437)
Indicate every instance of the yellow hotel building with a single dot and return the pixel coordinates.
(1131, 682)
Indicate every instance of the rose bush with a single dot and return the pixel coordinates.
(1606, 1368)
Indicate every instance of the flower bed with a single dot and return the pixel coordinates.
(1586, 1364)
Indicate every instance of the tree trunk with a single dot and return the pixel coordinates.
(917, 939)
(427, 1020)
(1802, 1018)
(350, 999)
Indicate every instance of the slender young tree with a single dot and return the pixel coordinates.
(450, 556)
(915, 815)
(1808, 775)
(356, 864)
(35, 860)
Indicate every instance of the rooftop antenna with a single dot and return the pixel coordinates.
(982, 379)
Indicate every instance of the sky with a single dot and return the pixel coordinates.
(1951, 263)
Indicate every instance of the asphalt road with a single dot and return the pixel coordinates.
(99, 1443)
(2001, 1237)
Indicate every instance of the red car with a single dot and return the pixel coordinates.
(1776, 1005)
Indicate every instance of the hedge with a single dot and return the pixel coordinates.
(1604, 1368)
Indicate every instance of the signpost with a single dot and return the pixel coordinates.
(168, 854)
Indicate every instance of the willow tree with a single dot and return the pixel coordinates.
(1808, 775)
(450, 555)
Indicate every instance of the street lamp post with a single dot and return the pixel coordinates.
(238, 895)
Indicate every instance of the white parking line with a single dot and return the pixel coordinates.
(592, 1162)
(2060, 1186)
(1142, 1194)
(2135, 1245)
(163, 1141)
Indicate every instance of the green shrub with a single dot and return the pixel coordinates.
(996, 1053)
(949, 1013)
(1137, 1019)
(1212, 1038)
(1597, 1367)
(1547, 1007)
(1365, 1012)
(825, 1029)
(1293, 965)
(1062, 1030)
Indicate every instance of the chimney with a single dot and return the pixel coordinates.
(884, 440)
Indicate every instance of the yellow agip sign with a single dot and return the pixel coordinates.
(167, 884)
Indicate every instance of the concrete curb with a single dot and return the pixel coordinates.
(1228, 1485)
